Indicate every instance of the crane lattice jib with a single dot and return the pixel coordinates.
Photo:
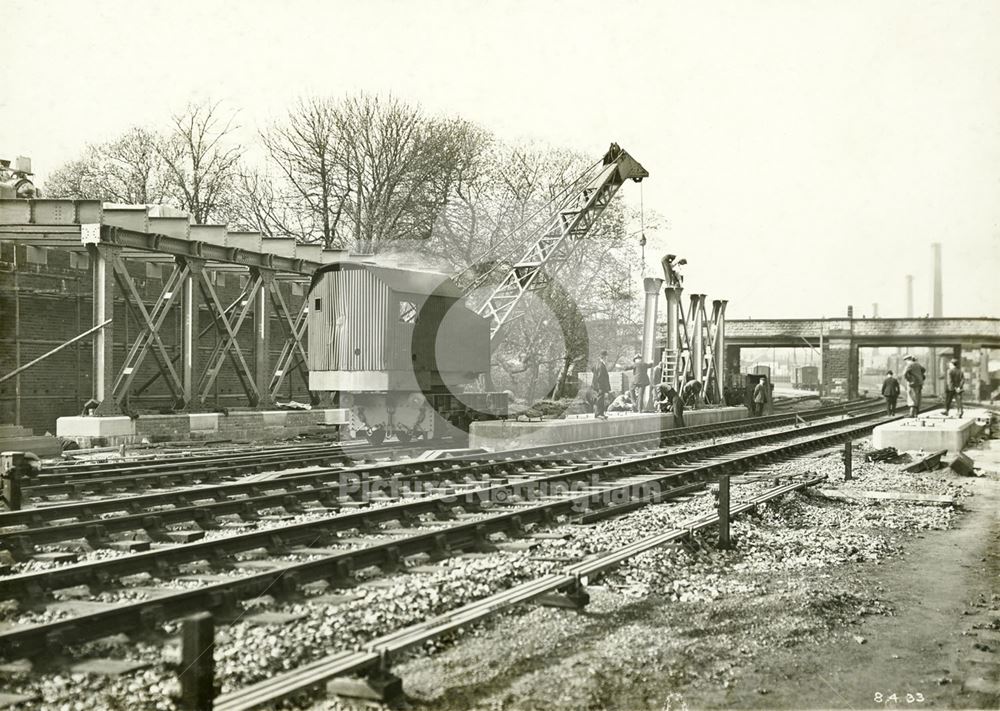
(572, 221)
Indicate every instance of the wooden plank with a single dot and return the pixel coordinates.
(908, 497)
(928, 463)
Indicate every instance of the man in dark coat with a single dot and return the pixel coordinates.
(759, 397)
(890, 391)
(602, 386)
(914, 375)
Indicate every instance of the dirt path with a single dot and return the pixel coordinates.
(945, 592)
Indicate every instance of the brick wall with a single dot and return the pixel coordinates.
(53, 297)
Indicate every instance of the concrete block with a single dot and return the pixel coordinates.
(335, 416)
(275, 418)
(497, 435)
(201, 421)
(928, 432)
(962, 465)
(80, 426)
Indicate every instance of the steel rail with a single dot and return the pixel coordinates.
(35, 639)
(203, 506)
(171, 473)
(383, 648)
(89, 510)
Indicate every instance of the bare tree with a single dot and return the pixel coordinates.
(127, 170)
(364, 170)
(201, 160)
(306, 149)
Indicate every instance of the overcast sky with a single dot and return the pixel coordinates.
(805, 154)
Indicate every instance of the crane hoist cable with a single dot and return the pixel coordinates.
(642, 230)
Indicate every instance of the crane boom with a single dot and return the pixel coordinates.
(574, 219)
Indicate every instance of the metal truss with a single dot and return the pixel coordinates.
(189, 285)
(700, 348)
(557, 243)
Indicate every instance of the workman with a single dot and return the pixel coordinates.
(690, 393)
(914, 375)
(759, 397)
(602, 387)
(890, 391)
(640, 372)
(622, 403)
(954, 383)
(665, 399)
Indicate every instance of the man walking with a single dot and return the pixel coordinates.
(954, 383)
(759, 397)
(890, 391)
(602, 387)
(914, 375)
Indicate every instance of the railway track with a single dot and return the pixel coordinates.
(102, 479)
(435, 523)
(112, 522)
(375, 658)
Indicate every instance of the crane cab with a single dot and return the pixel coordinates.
(398, 346)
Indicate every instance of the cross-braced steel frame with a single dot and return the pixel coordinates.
(188, 287)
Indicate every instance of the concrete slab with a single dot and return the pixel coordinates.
(240, 425)
(202, 421)
(497, 435)
(275, 418)
(930, 432)
(80, 426)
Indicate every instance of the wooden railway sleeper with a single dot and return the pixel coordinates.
(276, 545)
(574, 597)
(32, 596)
(392, 560)
(248, 512)
(204, 519)
(377, 683)
(20, 547)
(292, 505)
(440, 548)
(153, 526)
(97, 535)
(482, 542)
(289, 585)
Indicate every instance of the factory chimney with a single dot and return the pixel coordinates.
(874, 310)
(937, 304)
(909, 296)
(936, 311)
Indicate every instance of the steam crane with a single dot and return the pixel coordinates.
(558, 241)
(15, 182)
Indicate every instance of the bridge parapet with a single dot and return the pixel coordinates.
(882, 331)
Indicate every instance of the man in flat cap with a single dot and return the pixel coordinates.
(954, 383)
(914, 375)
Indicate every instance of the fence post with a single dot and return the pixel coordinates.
(848, 456)
(724, 541)
(198, 662)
